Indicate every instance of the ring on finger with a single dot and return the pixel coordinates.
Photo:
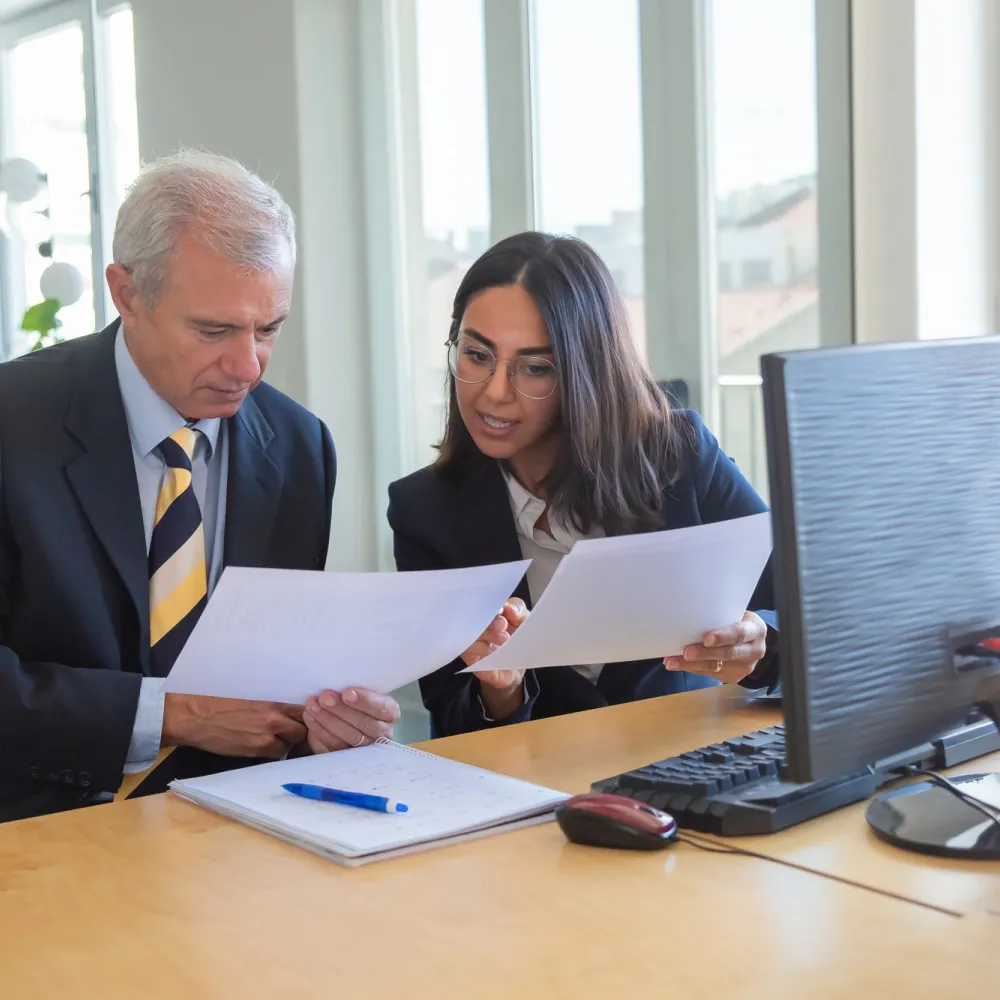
(718, 667)
(362, 739)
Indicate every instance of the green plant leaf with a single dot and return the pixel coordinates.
(41, 317)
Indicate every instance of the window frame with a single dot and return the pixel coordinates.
(92, 16)
(681, 263)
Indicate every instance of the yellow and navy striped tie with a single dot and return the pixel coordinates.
(178, 582)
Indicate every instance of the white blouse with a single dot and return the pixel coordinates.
(545, 549)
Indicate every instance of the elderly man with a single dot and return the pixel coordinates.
(135, 464)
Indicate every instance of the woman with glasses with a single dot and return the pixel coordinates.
(556, 431)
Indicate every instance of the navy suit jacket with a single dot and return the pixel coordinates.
(74, 584)
(464, 519)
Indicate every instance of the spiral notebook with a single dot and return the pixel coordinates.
(448, 801)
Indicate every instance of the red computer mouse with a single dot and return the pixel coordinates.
(615, 821)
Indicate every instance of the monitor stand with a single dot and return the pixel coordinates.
(927, 818)
(930, 819)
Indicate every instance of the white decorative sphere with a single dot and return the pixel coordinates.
(21, 179)
(63, 282)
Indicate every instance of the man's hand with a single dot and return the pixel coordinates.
(231, 726)
(351, 719)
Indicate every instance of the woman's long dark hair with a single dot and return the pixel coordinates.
(622, 445)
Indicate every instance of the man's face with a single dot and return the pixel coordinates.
(205, 344)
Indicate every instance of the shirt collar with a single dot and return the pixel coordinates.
(151, 419)
(527, 509)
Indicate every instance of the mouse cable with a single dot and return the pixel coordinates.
(714, 847)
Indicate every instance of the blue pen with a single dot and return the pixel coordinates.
(377, 803)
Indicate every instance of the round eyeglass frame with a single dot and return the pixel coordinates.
(452, 346)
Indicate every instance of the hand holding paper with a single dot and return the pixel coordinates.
(727, 654)
(500, 689)
(285, 635)
(342, 720)
(640, 596)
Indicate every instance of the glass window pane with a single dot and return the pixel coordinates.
(123, 119)
(588, 126)
(47, 125)
(765, 172)
(455, 216)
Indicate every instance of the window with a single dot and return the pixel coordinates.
(588, 129)
(767, 232)
(757, 273)
(563, 86)
(47, 115)
(454, 186)
(46, 84)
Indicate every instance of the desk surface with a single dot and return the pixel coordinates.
(157, 898)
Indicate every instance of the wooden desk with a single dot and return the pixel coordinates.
(157, 898)
(839, 844)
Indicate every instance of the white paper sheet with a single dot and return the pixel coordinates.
(284, 635)
(639, 596)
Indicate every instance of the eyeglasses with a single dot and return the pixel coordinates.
(472, 362)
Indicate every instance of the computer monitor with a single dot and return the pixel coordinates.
(884, 465)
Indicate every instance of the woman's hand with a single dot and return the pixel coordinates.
(502, 691)
(728, 654)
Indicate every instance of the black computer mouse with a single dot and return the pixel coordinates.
(615, 821)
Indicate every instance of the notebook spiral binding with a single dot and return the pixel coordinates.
(383, 741)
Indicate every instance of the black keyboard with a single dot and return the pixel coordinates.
(738, 787)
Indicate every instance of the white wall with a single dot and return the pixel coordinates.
(926, 167)
(275, 84)
(955, 168)
(278, 84)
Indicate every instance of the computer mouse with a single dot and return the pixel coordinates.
(601, 820)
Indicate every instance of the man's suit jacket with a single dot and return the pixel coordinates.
(74, 585)
(464, 519)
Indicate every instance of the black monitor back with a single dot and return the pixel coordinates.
(884, 468)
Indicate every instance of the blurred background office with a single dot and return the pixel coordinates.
(758, 174)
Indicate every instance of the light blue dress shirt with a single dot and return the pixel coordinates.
(151, 420)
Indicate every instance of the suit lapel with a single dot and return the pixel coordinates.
(103, 475)
(253, 490)
(488, 531)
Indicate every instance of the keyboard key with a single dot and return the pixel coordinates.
(675, 784)
(699, 806)
(748, 771)
(703, 787)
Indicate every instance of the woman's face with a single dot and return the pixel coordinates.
(505, 423)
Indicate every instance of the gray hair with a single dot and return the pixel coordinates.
(230, 208)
